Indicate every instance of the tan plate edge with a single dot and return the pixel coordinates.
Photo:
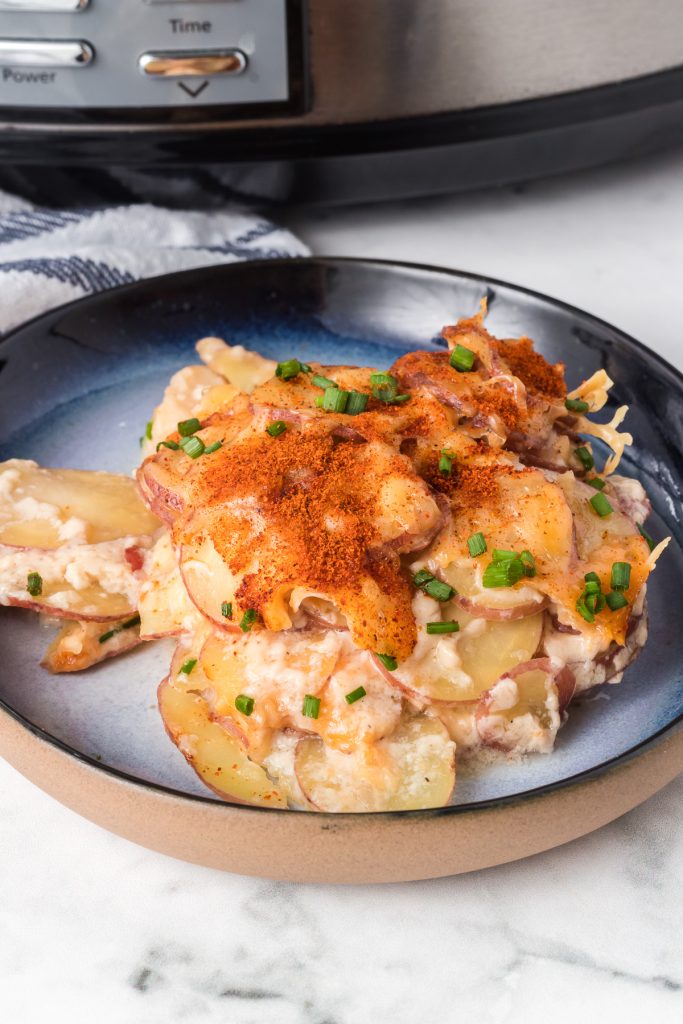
(348, 849)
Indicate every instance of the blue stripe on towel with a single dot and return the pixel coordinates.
(14, 227)
(90, 275)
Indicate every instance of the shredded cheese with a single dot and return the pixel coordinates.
(656, 552)
(594, 390)
(608, 433)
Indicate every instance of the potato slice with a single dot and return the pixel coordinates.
(240, 367)
(216, 756)
(164, 605)
(521, 713)
(184, 394)
(527, 512)
(45, 508)
(499, 648)
(491, 603)
(411, 769)
(277, 670)
(79, 645)
(85, 581)
(208, 580)
(458, 667)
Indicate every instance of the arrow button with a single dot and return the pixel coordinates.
(194, 93)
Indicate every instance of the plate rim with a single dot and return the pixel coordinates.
(225, 806)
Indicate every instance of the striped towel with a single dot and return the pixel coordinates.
(48, 257)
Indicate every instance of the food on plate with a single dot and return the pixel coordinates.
(369, 574)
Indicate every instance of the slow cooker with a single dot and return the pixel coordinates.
(329, 100)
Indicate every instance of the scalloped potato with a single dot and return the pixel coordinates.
(369, 574)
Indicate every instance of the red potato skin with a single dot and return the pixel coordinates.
(161, 500)
(294, 418)
(64, 613)
(563, 680)
(189, 758)
(414, 542)
(521, 611)
(318, 620)
(231, 727)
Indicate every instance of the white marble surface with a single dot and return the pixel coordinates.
(93, 929)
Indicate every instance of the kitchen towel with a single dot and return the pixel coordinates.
(48, 256)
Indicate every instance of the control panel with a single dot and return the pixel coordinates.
(146, 54)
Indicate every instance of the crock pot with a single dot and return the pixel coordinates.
(330, 100)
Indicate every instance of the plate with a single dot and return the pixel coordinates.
(77, 388)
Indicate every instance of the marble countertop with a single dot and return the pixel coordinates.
(93, 928)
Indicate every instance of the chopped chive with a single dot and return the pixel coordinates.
(276, 428)
(148, 429)
(399, 400)
(576, 405)
(384, 386)
(290, 368)
(528, 563)
(446, 462)
(584, 457)
(187, 427)
(592, 577)
(305, 368)
(646, 536)
(501, 555)
(601, 505)
(128, 624)
(187, 667)
(226, 609)
(594, 602)
(335, 399)
(388, 661)
(34, 584)
(476, 544)
(357, 403)
(213, 447)
(462, 359)
(193, 446)
(438, 590)
(592, 587)
(503, 574)
(442, 627)
(584, 612)
(596, 482)
(311, 706)
(621, 575)
(421, 577)
(173, 445)
(319, 402)
(248, 619)
(244, 704)
(355, 695)
(323, 382)
(615, 601)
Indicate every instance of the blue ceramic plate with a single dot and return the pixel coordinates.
(78, 386)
